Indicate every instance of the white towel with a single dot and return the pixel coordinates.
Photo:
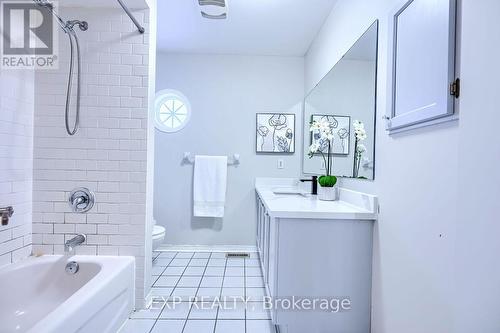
(209, 185)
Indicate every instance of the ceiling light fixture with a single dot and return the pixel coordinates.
(213, 9)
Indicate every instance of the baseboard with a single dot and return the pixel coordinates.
(207, 248)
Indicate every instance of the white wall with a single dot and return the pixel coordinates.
(478, 228)
(434, 185)
(108, 154)
(16, 161)
(225, 94)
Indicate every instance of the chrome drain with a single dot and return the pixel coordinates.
(72, 267)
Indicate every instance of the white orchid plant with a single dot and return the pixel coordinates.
(322, 131)
(359, 148)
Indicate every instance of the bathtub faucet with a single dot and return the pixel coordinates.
(74, 242)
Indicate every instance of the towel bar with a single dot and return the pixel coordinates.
(189, 159)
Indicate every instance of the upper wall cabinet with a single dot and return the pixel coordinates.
(345, 98)
(423, 81)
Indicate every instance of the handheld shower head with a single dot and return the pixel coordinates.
(83, 25)
(67, 27)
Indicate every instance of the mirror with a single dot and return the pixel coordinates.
(345, 99)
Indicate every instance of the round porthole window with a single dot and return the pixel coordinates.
(172, 111)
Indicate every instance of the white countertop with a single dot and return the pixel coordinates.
(351, 206)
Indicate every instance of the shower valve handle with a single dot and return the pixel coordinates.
(6, 213)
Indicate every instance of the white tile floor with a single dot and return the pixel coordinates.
(211, 276)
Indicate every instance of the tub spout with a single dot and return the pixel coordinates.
(74, 242)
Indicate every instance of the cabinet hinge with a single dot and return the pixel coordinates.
(455, 88)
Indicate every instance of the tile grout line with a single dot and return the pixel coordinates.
(163, 308)
(152, 285)
(168, 265)
(220, 295)
(197, 289)
(183, 271)
(171, 259)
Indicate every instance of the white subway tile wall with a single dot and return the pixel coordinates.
(108, 154)
(16, 162)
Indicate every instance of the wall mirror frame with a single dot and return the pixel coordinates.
(345, 96)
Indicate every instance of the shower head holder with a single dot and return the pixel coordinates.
(83, 25)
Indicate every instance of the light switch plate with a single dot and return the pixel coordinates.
(281, 164)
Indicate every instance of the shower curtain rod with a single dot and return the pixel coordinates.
(47, 4)
(125, 8)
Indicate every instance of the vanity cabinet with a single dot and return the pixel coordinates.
(314, 254)
(266, 244)
(263, 237)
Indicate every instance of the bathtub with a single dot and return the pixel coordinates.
(38, 296)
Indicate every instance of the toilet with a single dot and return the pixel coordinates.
(158, 235)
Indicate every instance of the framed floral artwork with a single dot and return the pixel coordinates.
(275, 133)
(341, 129)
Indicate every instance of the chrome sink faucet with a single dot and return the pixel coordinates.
(74, 242)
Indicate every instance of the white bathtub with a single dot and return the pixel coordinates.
(38, 296)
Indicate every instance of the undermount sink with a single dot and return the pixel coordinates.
(289, 191)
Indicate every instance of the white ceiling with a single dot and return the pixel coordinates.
(253, 27)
